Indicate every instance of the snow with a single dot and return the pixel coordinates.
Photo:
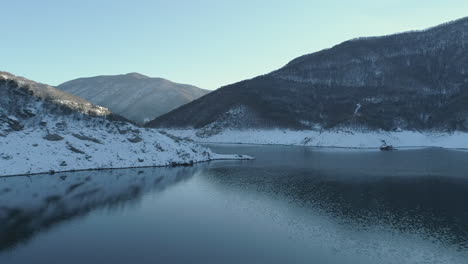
(332, 138)
(12, 117)
(27, 152)
(96, 109)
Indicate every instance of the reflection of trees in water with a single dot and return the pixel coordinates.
(433, 205)
(29, 205)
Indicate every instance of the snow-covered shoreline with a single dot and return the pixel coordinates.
(217, 157)
(28, 151)
(329, 139)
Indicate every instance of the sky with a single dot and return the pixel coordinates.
(207, 43)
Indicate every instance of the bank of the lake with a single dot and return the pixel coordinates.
(338, 138)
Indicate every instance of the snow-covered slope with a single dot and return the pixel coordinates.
(43, 129)
(340, 138)
(134, 96)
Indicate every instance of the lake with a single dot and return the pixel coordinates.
(290, 205)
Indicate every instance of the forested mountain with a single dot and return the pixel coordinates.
(412, 81)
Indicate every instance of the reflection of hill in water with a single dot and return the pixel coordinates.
(29, 205)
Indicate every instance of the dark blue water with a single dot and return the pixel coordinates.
(290, 205)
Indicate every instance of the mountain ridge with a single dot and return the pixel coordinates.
(416, 80)
(440, 26)
(133, 95)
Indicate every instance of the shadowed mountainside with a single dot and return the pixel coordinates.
(134, 96)
(412, 81)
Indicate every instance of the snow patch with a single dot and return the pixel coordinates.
(332, 138)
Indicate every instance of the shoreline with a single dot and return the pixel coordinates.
(241, 157)
(337, 139)
(327, 147)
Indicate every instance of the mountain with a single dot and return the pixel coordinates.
(410, 81)
(43, 129)
(134, 96)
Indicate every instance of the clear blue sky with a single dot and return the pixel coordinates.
(208, 43)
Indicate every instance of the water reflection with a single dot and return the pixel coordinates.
(30, 205)
(416, 191)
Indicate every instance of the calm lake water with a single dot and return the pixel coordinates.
(290, 205)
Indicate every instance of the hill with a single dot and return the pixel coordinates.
(134, 96)
(410, 81)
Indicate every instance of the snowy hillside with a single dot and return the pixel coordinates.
(135, 96)
(43, 129)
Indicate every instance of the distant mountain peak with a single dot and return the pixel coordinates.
(133, 95)
(137, 75)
